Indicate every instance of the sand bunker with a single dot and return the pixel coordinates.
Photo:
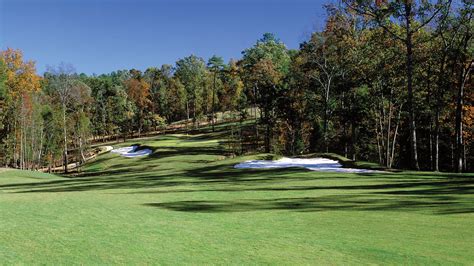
(314, 164)
(106, 148)
(131, 151)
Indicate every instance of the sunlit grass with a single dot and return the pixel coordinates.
(187, 204)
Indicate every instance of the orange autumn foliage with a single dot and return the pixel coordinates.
(21, 77)
(468, 116)
(139, 92)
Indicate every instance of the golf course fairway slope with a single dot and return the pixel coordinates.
(186, 204)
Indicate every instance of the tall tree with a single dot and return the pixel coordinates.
(3, 111)
(465, 51)
(324, 68)
(215, 64)
(65, 86)
(265, 66)
(139, 92)
(191, 71)
(412, 16)
(21, 83)
(176, 100)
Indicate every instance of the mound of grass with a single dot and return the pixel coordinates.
(348, 163)
(186, 204)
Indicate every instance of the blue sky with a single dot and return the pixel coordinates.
(105, 35)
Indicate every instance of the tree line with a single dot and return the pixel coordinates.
(384, 81)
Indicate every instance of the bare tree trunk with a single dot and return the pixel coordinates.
(140, 123)
(213, 99)
(465, 158)
(255, 90)
(409, 73)
(439, 99)
(326, 117)
(452, 156)
(464, 75)
(15, 144)
(187, 115)
(436, 141)
(380, 133)
(21, 146)
(267, 132)
(387, 155)
(240, 136)
(346, 142)
(379, 149)
(194, 114)
(81, 150)
(395, 137)
(344, 127)
(430, 94)
(65, 139)
(40, 148)
(431, 145)
(353, 140)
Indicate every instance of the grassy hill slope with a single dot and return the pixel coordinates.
(187, 204)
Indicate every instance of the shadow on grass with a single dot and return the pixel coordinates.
(200, 171)
(167, 152)
(144, 178)
(363, 202)
(439, 195)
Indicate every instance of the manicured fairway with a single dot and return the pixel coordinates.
(187, 204)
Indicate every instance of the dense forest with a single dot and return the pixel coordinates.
(383, 81)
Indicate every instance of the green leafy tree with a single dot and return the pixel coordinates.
(411, 16)
(265, 65)
(215, 65)
(65, 86)
(191, 72)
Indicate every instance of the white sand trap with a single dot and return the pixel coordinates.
(131, 152)
(314, 164)
(106, 148)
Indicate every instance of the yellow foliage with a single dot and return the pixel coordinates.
(138, 91)
(21, 75)
(468, 117)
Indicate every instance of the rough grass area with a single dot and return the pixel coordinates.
(3, 169)
(186, 204)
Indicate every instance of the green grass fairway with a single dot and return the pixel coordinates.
(186, 204)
